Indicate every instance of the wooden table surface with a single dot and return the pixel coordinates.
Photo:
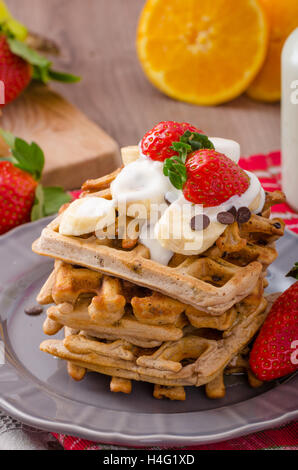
(97, 38)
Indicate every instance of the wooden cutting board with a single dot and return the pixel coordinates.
(75, 148)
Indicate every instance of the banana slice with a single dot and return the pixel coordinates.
(174, 232)
(228, 147)
(130, 154)
(83, 216)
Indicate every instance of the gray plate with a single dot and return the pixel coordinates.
(35, 387)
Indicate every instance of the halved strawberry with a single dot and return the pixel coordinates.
(272, 353)
(213, 178)
(157, 143)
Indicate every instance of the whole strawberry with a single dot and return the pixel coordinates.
(15, 72)
(22, 196)
(157, 143)
(213, 178)
(271, 355)
(17, 195)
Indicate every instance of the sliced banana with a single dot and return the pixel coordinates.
(83, 216)
(130, 154)
(174, 232)
(228, 147)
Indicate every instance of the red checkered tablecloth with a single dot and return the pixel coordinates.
(267, 168)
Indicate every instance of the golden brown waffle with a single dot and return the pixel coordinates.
(194, 281)
(110, 308)
(212, 282)
(195, 359)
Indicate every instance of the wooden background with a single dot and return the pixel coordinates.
(97, 38)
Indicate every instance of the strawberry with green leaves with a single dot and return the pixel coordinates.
(206, 177)
(22, 196)
(157, 144)
(19, 63)
(273, 350)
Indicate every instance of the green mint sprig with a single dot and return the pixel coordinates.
(30, 158)
(174, 167)
(42, 67)
(294, 272)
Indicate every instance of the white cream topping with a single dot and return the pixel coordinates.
(142, 180)
(157, 251)
(228, 147)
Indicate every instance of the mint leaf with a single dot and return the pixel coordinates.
(174, 167)
(37, 211)
(29, 158)
(63, 77)
(196, 141)
(294, 272)
(54, 198)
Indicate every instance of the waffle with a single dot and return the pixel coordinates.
(110, 308)
(214, 282)
(196, 359)
(129, 317)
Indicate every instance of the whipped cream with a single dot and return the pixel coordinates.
(157, 251)
(228, 147)
(140, 181)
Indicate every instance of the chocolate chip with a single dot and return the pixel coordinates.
(34, 311)
(233, 211)
(277, 225)
(216, 278)
(262, 242)
(243, 215)
(199, 222)
(225, 218)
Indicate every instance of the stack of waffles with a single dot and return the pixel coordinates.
(127, 316)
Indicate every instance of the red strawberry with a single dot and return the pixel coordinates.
(17, 194)
(270, 357)
(15, 72)
(157, 142)
(212, 178)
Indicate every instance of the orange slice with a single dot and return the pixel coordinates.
(202, 51)
(283, 19)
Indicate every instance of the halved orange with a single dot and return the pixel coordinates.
(283, 19)
(202, 51)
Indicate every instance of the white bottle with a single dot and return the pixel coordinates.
(290, 119)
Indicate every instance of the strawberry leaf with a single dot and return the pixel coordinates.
(41, 65)
(63, 77)
(29, 55)
(37, 211)
(48, 201)
(29, 158)
(8, 137)
(54, 198)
